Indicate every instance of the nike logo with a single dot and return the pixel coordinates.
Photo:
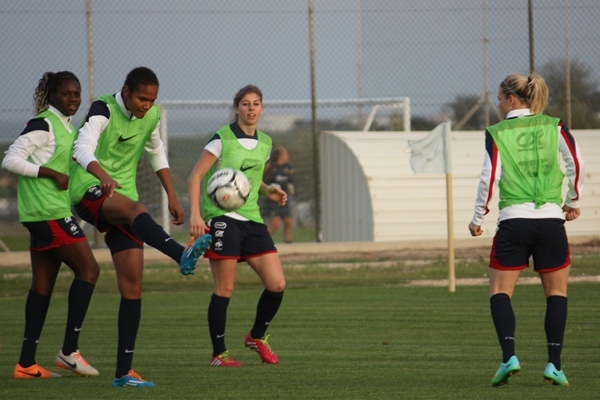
(77, 329)
(246, 168)
(72, 366)
(220, 336)
(128, 351)
(37, 374)
(122, 139)
(167, 239)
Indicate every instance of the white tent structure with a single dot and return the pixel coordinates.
(370, 193)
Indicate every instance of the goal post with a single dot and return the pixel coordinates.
(189, 118)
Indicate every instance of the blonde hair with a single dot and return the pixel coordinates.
(530, 89)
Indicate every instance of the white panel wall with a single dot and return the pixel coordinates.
(369, 192)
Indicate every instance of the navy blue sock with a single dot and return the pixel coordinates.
(555, 323)
(130, 312)
(267, 307)
(505, 323)
(80, 295)
(147, 229)
(217, 319)
(36, 309)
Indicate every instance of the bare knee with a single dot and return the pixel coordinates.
(224, 290)
(276, 287)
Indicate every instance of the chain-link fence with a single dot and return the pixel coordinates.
(446, 56)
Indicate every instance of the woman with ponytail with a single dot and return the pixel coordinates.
(522, 159)
(40, 156)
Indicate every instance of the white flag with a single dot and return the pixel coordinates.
(431, 155)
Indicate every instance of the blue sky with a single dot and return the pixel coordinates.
(429, 50)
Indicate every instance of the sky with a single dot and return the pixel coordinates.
(428, 50)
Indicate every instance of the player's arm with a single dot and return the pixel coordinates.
(207, 160)
(30, 150)
(574, 163)
(490, 174)
(273, 192)
(96, 121)
(155, 150)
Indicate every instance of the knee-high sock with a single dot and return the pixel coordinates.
(80, 295)
(267, 307)
(147, 229)
(130, 312)
(555, 323)
(217, 320)
(505, 323)
(36, 309)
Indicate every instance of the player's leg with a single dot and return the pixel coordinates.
(79, 258)
(223, 255)
(128, 258)
(224, 271)
(510, 254)
(273, 224)
(555, 287)
(264, 260)
(103, 211)
(121, 210)
(44, 267)
(288, 225)
(552, 262)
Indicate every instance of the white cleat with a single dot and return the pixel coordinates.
(76, 363)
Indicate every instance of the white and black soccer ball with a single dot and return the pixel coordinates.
(228, 189)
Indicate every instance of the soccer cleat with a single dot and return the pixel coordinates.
(76, 363)
(224, 360)
(34, 371)
(506, 370)
(262, 348)
(192, 252)
(551, 374)
(132, 379)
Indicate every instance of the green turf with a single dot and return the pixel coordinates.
(378, 340)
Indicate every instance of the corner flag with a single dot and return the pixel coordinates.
(431, 155)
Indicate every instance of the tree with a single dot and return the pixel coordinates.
(470, 104)
(583, 90)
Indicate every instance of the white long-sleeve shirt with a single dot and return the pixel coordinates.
(491, 173)
(97, 120)
(35, 146)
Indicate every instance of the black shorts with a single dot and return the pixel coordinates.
(118, 237)
(518, 239)
(238, 239)
(44, 235)
(270, 208)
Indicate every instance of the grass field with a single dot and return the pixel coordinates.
(340, 334)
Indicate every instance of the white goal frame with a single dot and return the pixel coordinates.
(375, 104)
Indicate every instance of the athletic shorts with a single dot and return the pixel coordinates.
(44, 235)
(519, 239)
(238, 239)
(117, 237)
(270, 208)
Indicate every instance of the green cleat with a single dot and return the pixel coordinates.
(506, 370)
(551, 374)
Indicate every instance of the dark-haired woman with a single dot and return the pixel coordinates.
(240, 235)
(117, 130)
(40, 156)
(523, 155)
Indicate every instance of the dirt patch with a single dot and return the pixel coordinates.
(405, 254)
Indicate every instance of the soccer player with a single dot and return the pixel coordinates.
(240, 235)
(279, 172)
(117, 129)
(40, 156)
(522, 160)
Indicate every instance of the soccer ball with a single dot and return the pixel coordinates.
(228, 189)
